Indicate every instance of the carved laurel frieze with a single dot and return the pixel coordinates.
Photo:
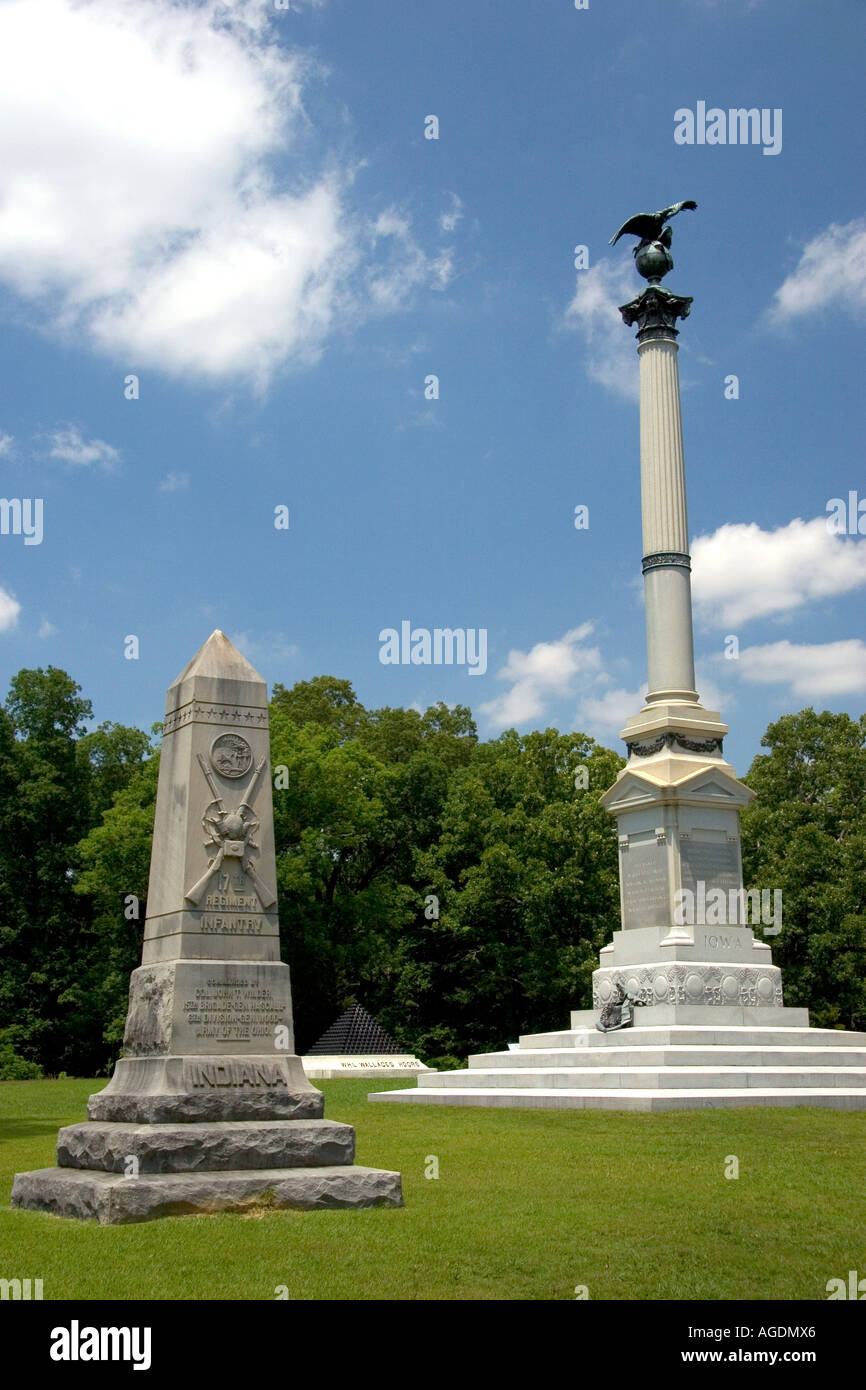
(747, 986)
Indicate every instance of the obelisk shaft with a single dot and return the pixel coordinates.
(212, 891)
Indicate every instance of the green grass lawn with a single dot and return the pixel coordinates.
(528, 1205)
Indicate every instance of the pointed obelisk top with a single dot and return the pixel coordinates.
(219, 658)
(218, 672)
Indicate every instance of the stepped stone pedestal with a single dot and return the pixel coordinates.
(209, 1109)
(672, 1059)
(709, 1025)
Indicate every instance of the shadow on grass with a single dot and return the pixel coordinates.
(26, 1129)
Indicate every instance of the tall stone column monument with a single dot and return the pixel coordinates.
(209, 1108)
(687, 1004)
(677, 802)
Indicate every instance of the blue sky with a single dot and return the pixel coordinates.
(238, 205)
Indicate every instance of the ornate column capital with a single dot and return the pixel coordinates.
(655, 311)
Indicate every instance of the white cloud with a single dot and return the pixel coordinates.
(9, 610)
(403, 265)
(448, 220)
(549, 670)
(6, 441)
(565, 668)
(747, 5)
(47, 629)
(816, 670)
(741, 572)
(172, 482)
(831, 272)
(427, 419)
(610, 358)
(140, 202)
(711, 695)
(70, 446)
(604, 714)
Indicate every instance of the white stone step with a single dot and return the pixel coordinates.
(837, 1098)
(671, 1065)
(692, 1035)
(670, 1056)
(706, 1015)
(642, 1078)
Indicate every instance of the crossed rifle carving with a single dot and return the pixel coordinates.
(231, 835)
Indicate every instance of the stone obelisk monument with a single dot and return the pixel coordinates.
(209, 1109)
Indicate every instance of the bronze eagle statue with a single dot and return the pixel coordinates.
(647, 226)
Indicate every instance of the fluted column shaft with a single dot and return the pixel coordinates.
(662, 468)
(667, 579)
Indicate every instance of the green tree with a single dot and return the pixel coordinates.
(55, 780)
(805, 833)
(525, 873)
(325, 700)
(113, 753)
(44, 936)
(356, 812)
(114, 859)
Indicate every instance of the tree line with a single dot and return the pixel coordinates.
(459, 888)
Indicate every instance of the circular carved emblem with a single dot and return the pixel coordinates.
(231, 755)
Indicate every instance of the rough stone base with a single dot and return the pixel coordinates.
(114, 1200)
(171, 1136)
(160, 1090)
(198, 1148)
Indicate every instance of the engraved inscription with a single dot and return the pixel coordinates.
(233, 1074)
(231, 903)
(233, 1011)
(644, 885)
(233, 925)
(380, 1063)
(709, 862)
